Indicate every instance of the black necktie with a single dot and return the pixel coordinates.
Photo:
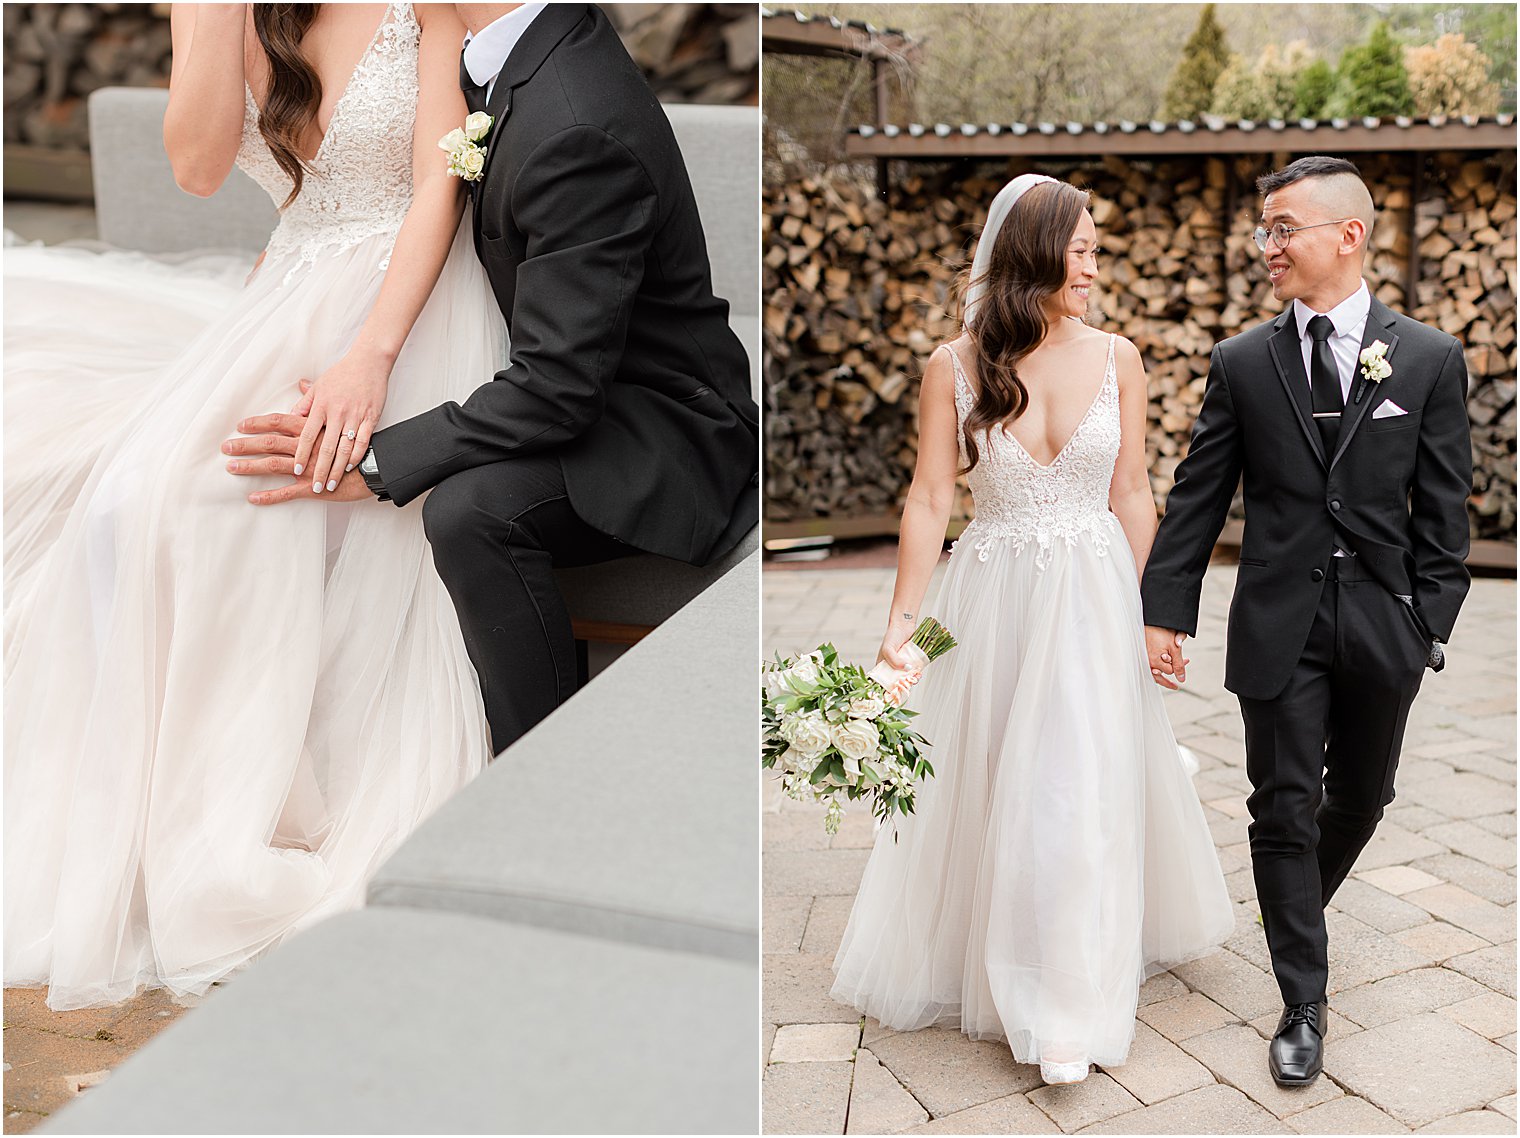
(474, 93)
(1325, 384)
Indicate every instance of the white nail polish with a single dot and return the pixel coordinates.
(332, 484)
(347, 468)
(316, 487)
(299, 468)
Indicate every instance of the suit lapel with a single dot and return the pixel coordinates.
(550, 26)
(1379, 326)
(1287, 357)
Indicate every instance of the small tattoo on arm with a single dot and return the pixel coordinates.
(907, 616)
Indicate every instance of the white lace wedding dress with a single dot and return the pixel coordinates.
(1059, 855)
(220, 718)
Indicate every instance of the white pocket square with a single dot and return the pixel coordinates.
(1388, 409)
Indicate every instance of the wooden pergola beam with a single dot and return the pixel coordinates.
(937, 146)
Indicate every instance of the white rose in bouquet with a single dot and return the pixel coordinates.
(453, 140)
(868, 708)
(805, 670)
(808, 733)
(857, 739)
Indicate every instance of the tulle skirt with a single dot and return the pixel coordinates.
(1059, 855)
(219, 718)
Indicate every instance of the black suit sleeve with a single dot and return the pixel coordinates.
(589, 212)
(1195, 510)
(1438, 497)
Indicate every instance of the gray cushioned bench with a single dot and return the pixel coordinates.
(501, 1030)
(138, 206)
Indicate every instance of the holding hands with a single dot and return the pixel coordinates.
(1164, 647)
(340, 411)
(275, 441)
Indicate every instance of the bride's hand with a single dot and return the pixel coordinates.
(898, 633)
(341, 409)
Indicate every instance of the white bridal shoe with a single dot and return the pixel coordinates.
(1057, 1074)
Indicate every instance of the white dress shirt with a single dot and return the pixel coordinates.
(486, 54)
(1350, 320)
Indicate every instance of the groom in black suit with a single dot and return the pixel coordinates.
(624, 421)
(1356, 479)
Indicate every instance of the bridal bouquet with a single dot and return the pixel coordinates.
(832, 728)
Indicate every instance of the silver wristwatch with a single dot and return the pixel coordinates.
(370, 469)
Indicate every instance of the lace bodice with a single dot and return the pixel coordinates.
(1020, 500)
(360, 183)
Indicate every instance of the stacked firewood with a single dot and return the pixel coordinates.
(56, 54)
(859, 292)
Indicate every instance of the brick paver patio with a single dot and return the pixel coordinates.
(1422, 937)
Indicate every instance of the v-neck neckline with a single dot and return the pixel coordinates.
(374, 39)
(1108, 370)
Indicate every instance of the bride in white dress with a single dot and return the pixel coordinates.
(1060, 855)
(220, 719)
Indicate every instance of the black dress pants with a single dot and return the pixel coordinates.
(1321, 758)
(498, 532)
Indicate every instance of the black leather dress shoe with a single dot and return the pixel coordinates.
(1296, 1054)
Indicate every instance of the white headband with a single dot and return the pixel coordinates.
(996, 213)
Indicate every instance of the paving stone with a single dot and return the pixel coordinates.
(1471, 1122)
(1494, 967)
(878, 1102)
(1232, 983)
(1346, 1115)
(1183, 1017)
(1381, 910)
(1505, 1106)
(1396, 880)
(1094, 1099)
(1241, 885)
(1404, 995)
(1466, 910)
(813, 873)
(815, 1043)
(1161, 986)
(947, 1072)
(783, 920)
(1235, 1055)
(796, 990)
(1360, 954)
(1439, 941)
(1416, 771)
(1496, 885)
(826, 922)
(1414, 817)
(1489, 1014)
(1424, 1068)
(805, 1098)
(873, 1031)
(1249, 940)
(767, 1038)
(793, 832)
(1231, 805)
(1496, 765)
(1216, 1109)
(1394, 845)
(1010, 1115)
(1501, 824)
(1507, 1042)
(1157, 1068)
(857, 829)
(1474, 841)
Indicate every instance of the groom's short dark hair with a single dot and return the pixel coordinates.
(1316, 166)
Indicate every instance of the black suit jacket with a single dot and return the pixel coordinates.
(1394, 492)
(622, 361)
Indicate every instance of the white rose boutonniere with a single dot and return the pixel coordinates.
(467, 159)
(1375, 367)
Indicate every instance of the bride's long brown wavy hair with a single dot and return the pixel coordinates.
(295, 91)
(1027, 268)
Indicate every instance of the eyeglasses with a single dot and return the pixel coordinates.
(1282, 234)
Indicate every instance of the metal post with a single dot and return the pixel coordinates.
(879, 84)
(1412, 268)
